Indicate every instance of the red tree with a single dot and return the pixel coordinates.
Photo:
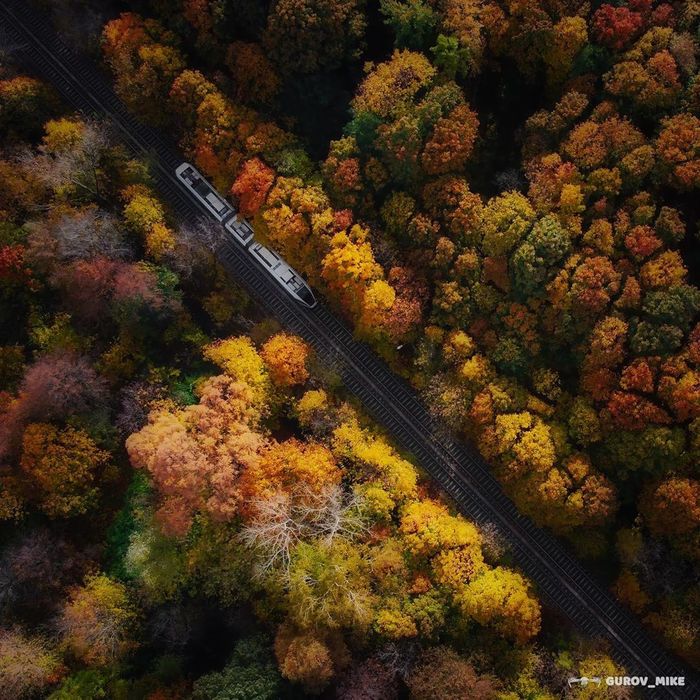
(252, 185)
(615, 27)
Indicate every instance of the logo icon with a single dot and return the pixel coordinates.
(584, 681)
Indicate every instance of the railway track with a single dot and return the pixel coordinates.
(463, 474)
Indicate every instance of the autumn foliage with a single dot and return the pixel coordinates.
(340, 539)
(498, 197)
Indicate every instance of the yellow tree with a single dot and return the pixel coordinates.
(145, 216)
(506, 220)
(238, 358)
(329, 587)
(375, 462)
(451, 544)
(394, 83)
(501, 599)
(98, 620)
(312, 408)
(349, 268)
(597, 665)
(568, 497)
(427, 528)
(521, 442)
(186, 94)
(377, 303)
(297, 219)
(144, 60)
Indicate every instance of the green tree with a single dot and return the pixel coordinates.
(412, 21)
(454, 60)
(250, 674)
(329, 586)
(534, 261)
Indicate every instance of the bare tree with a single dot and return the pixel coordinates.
(203, 234)
(62, 384)
(273, 533)
(96, 623)
(35, 568)
(78, 166)
(194, 244)
(493, 543)
(88, 233)
(400, 656)
(9, 586)
(368, 679)
(337, 513)
(28, 665)
(136, 400)
(662, 571)
(55, 386)
(284, 520)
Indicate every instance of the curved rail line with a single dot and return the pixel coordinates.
(459, 470)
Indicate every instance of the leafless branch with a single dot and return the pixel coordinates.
(284, 520)
(78, 166)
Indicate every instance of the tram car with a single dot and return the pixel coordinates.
(242, 233)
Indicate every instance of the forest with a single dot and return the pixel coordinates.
(501, 198)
